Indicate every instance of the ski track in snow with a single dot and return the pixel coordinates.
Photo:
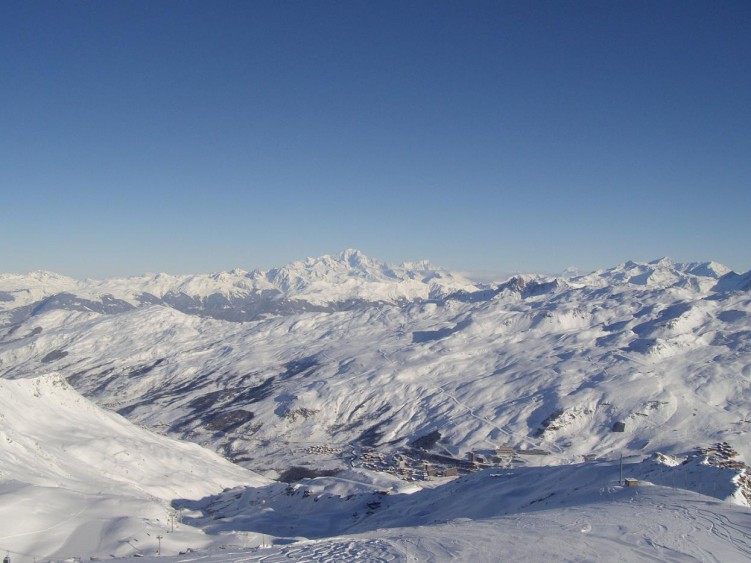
(471, 412)
(60, 523)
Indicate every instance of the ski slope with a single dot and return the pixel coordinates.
(76, 479)
(578, 513)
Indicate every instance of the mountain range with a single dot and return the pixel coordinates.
(329, 283)
(316, 365)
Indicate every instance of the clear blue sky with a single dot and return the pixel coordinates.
(188, 136)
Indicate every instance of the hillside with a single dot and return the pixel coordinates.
(561, 513)
(531, 363)
(76, 479)
(372, 371)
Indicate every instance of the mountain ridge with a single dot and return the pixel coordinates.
(645, 360)
(326, 374)
(330, 280)
(316, 282)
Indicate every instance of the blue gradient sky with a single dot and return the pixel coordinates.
(495, 136)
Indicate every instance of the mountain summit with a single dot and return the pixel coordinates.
(328, 282)
(351, 275)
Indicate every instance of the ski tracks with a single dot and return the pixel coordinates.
(331, 551)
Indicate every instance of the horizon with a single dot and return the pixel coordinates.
(483, 136)
(479, 276)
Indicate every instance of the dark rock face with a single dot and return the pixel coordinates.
(68, 302)
(428, 441)
(54, 355)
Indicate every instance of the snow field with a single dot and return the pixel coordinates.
(535, 363)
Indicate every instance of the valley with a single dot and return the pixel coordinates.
(395, 386)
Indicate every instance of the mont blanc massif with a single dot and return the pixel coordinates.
(343, 409)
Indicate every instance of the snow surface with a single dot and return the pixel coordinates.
(349, 275)
(564, 513)
(534, 363)
(76, 479)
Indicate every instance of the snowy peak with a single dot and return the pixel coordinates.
(733, 282)
(354, 258)
(342, 281)
(662, 273)
(348, 264)
(351, 275)
(325, 283)
(706, 269)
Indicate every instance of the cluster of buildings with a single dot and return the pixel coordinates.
(503, 455)
(720, 455)
(417, 464)
(323, 450)
(403, 465)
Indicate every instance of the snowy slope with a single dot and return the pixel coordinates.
(564, 513)
(357, 354)
(531, 363)
(77, 479)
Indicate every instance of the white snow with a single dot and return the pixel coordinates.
(345, 276)
(534, 363)
(573, 513)
(76, 479)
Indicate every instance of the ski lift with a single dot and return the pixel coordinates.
(6, 559)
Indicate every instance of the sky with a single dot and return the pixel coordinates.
(485, 136)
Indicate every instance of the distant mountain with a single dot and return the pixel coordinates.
(329, 283)
(663, 273)
(351, 275)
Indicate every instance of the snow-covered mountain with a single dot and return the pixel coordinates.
(662, 273)
(533, 362)
(340, 354)
(77, 479)
(344, 281)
